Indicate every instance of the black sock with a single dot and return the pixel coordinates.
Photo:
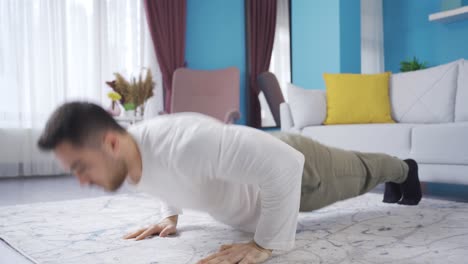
(392, 193)
(411, 187)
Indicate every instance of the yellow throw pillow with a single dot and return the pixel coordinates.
(358, 98)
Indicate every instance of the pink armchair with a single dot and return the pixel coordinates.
(214, 93)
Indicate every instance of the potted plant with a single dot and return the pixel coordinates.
(412, 65)
(133, 92)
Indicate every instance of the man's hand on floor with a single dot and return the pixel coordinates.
(242, 253)
(164, 228)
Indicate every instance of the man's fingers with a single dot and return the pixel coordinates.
(168, 230)
(163, 230)
(249, 259)
(255, 257)
(243, 253)
(224, 247)
(246, 261)
(205, 260)
(231, 255)
(236, 257)
(210, 259)
(134, 234)
(148, 232)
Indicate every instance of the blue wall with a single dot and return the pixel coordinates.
(350, 36)
(408, 32)
(216, 38)
(315, 41)
(326, 37)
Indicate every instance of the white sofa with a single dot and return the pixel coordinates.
(431, 110)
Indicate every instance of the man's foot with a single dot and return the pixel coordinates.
(392, 193)
(411, 188)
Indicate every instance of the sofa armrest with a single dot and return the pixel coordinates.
(287, 122)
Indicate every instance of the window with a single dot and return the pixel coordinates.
(52, 51)
(280, 63)
(55, 51)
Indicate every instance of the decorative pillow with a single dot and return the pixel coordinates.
(308, 106)
(357, 98)
(425, 96)
(461, 106)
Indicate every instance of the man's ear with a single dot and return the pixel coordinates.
(111, 142)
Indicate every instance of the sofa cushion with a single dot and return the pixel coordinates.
(393, 139)
(308, 106)
(461, 105)
(357, 98)
(444, 173)
(441, 143)
(425, 96)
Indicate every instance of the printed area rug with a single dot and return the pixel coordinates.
(359, 230)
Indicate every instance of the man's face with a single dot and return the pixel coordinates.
(99, 165)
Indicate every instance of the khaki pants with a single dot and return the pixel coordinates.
(332, 174)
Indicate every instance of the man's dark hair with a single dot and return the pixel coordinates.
(78, 123)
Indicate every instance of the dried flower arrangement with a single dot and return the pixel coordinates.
(135, 92)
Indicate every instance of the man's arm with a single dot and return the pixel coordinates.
(168, 210)
(251, 156)
(204, 148)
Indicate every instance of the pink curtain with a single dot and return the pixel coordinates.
(167, 24)
(261, 24)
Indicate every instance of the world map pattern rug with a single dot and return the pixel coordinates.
(359, 230)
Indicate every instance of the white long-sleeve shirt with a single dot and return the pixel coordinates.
(241, 176)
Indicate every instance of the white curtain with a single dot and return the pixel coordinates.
(372, 39)
(280, 63)
(53, 51)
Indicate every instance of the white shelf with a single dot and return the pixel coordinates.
(126, 121)
(450, 15)
(128, 118)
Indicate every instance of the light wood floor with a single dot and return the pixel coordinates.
(22, 190)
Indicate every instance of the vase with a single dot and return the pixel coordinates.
(140, 111)
(129, 113)
(114, 109)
